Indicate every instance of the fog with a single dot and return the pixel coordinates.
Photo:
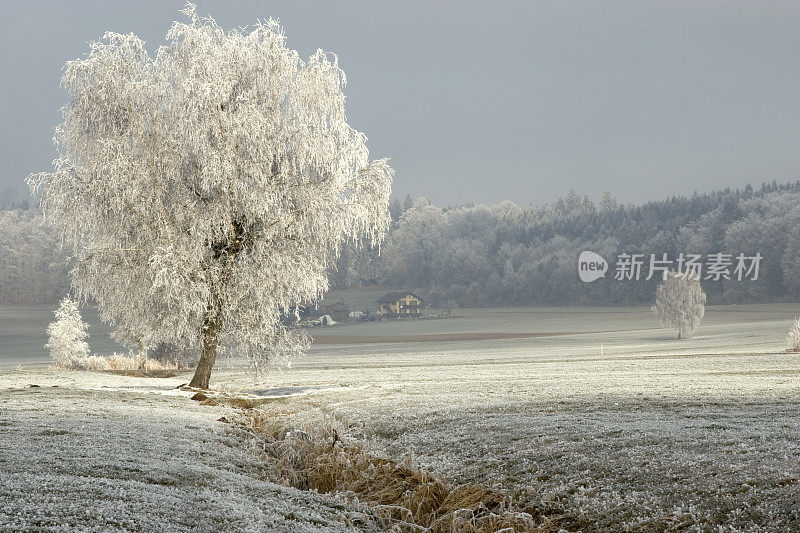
(479, 102)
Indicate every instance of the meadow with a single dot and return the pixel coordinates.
(622, 427)
(595, 418)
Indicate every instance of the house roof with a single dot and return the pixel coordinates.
(332, 304)
(392, 297)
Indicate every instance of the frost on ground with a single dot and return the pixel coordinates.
(630, 430)
(134, 456)
(623, 466)
(627, 430)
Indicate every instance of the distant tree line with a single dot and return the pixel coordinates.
(510, 255)
(14, 197)
(506, 255)
(33, 266)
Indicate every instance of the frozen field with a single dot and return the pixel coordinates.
(95, 452)
(628, 429)
(595, 417)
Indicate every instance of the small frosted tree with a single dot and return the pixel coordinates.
(206, 190)
(67, 343)
(793, 339)
(680, 302)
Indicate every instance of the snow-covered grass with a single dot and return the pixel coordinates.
(95, 452)
(625, 430)
(629, 429)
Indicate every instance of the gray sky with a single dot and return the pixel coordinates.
(483, 101)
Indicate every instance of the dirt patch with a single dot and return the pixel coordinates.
(446, 337)
(209, 397)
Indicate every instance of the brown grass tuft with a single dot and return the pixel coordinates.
(135, 373)
(403, 496)
(211, 397)
(241, 403)
(121, 365)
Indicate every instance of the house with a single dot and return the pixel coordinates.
(401, 303)
(336, 310)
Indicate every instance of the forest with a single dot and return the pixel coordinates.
(508, 255)
(33, 264)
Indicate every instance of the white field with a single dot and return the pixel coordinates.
(98, 452)
(605, 420)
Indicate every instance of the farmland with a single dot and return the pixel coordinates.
(596, 416)
(625, 425)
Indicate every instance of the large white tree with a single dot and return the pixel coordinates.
(680, 302)
(207, 189)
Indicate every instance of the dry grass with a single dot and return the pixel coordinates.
(320, 458)
(141, 373)
(210, 397)
(123, 365)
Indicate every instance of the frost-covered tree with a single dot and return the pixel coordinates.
(410, 254)
(206, 189)
(680, 302)
(793, 339)
(33, 266)
(67, 342)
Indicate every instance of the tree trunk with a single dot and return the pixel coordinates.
(224, 252)
(211, 326)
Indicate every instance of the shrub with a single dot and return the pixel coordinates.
(67, 342)
(794, 336)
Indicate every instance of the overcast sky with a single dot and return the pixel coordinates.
(483, 101)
